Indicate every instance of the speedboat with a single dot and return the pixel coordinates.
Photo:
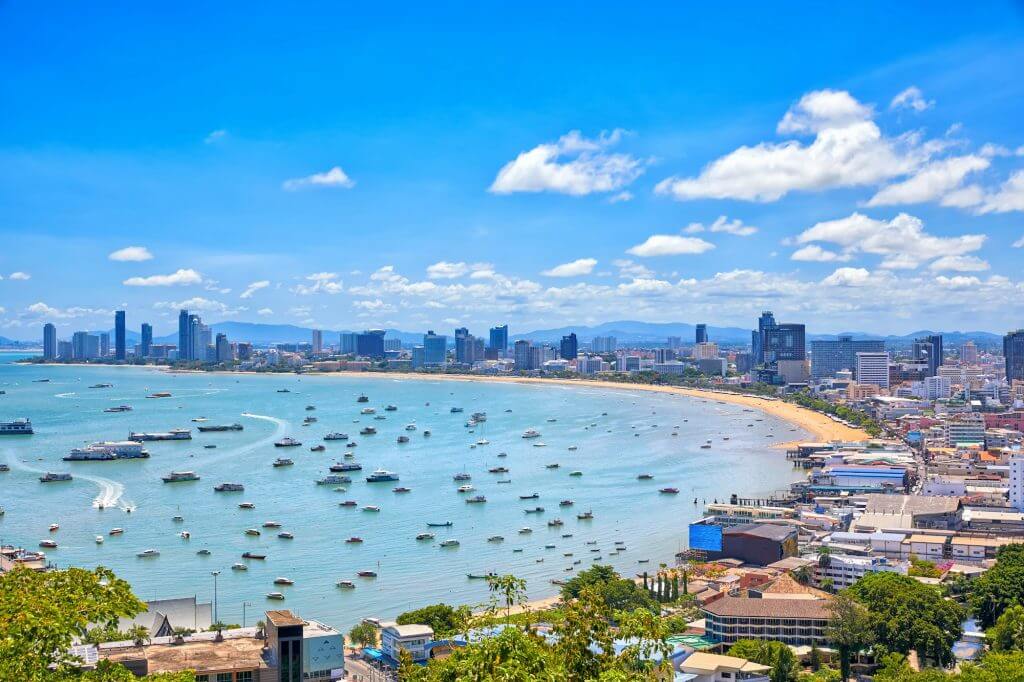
(285, 535)
(149, 553)
(275, 595)
(495, 538)
(239, 567)
(252, 531)
(478, 499)
(531, 433)
(391, 408)
(669, 491)
(317, 448)
(425, 536)
(283, 581)
(410, 427)
(466, 488)
(49, 544)
(371, 508)
(366, 574)
(346, 584)
(99, 539)
(552, 466)
(271, 524)
(116, 531)
(449, 543)
(524, 531)
(348, 503)
(283, 462)
(246, 505)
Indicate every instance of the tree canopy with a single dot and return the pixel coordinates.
(618, 593)
(444, 619)
(1000, 587)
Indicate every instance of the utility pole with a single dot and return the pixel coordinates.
(215, 574)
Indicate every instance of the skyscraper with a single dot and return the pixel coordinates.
(120, 353)
(85, 346)
(603, 344)
(49, 342)
(569, 348)
(499, 340)
(347, 343)
(1013, 352)
(147, 339)
(522, 354)
(104, 338)
(370, 343)
(435, 348)
(928, 349)
(461, 342)
(873, 368)
(764, 323)
(829, 357)
(318, 342)
(701, 334)
(223, 347)
(184, 336)
(969, 353)
(783, 342)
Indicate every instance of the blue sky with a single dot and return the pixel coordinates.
(350, 166)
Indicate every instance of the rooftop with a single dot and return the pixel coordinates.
(236, 653)
(769, 608)
(768, 531)
(710, 663)
(283, 618)
(912, 504)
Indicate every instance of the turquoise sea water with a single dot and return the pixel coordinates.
(633, 438)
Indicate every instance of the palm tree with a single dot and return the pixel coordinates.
(139, 634)
(824, 556)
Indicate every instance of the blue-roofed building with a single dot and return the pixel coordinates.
(856, 478)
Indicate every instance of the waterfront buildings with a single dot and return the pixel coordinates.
(370, 343)
(1013, 354)
(434, 349)
(104, 344)
(797, 620)
(569, 348)
(415, 639)
(873, 368)
(603, 344)
(223, 349)
(830, 357)
(85, 346)
(49, 342)
(120, 350)
(705, 350)
(969, 353)
(146, 342)
(522, 355)
(347, 343)
(184, 335)
(498, 341)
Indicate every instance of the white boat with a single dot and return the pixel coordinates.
(275, 595)
(271, 524)
(50, 477)
(99, 539)
(116, 531)
(336, 435)
(173, 434)
(287, 442)
(381, 475)
(54, 527)
(466, 488)
(147, 554)
(346, 584)
(283, 581)
(531, 433)
(108, 451)
(239, 567)
(229, 488)
(449, 543)
(18, 427)
(333, 479)
(367, 410)
(371, 508)
(179, 476)
(425, 536)
(410, 427)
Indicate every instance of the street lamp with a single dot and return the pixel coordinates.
(244, 604)
(215, 574)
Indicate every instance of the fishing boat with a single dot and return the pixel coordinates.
(425, 536)
(478, 499)
(366, 574)
(576, 473)
(532, 496)
(287, 442)
(705, 446)
(535, 510)
(283, 581)
(555, 523)
(466, 489)
(525, 531)
(116, 531)
(285, 535)
(318, 448)
(496, 538)
(449, 543)
(669, 491)
(277, 596)
(645, 477)
(345, 466)
(148, 554)
(401, 489)
(363, 398)
(426, 433)
(253, 555)
(354, 540)
(585, 516)
(310, 408)
(220, 427)
(246, 505)
(229, 488)
(271, 524)
(445, 524)
(283, 462)
(371, 508)
(565, 503)
(252, 531)
(336, 435)
(391, 408)
(480, 576)
(346, 584)
(367, 431)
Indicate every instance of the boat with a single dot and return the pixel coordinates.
(173, 434)
(106, 451)
(119, 408)
(336, 435)
(246, 505)
(480, 576)
(367, 410)
(50, 477)
(403, 439)
(565, 503)
(271, 524)
(425, 536)
(4, 468)
(283, 390)
(287, 442)
(252, 531)
(524, 531)
(540, 444)
(283, 462)
(180, 476)
(466, 488)
(228, 488)
(576, 473)
(555, 523)
(445, 524)
(147, 554)
(391, 408)
(355, 540)
(177, 519)
(644, 477)
(366, 574)
(367, 431)
(371, 508)
(310, 408)
(669, 491)
(220, 427)
(116, 531)
(550, 546)
(462, 477)
(455, 410)
(346, 584)
(426, 433)
(410, 427)
(362, 399)
(478, 499)
(318, 448)
(253, 555)
(283, 581)
(449, 543)
(346, 466)
(573, 447)
(532, 496)
(49, 544)
(54, 527)
(210, 447)
(498, 470)
(185, 535)
(535, 510)
(555, 465)
(348, 503)
(285, 535)
(531, 433)
(705, 446)
(333, 479)
(239, 567)
(277, 596)
(381, 476)
(401, 489)
(585, 516)
(160, 394)
(507, 480)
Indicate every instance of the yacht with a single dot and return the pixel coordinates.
(478, 499)
(271, 524)
(277, 596)
(283, 462)
(449, 543)
(346, 584)
(466, 488)
(367, 410)
(287, 442)
(335, 435)
(18, 427)
(462, 477)
(346, 466)
(366, 574)
(410, 427)
(173, 434)
(381, 476)
(669, 491)
(565, 503)
(333, 479)
(283, 581)
(371, 508)
(362, 399)
(179, 476)
(108, 451)
(220, 427)
(119, 408)
(50, 477)
(149, 553)
(239, 567)
(99, 539)
(367, 431)
(49, 544)
(425, 536)
(355, 540)
(531, 433)
(229, 488)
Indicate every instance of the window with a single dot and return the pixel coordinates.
(202, 678)
(224, 677)
(244, 676)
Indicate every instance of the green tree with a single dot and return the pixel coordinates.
(783, 662)
(363, 634)
(849, 629)
(645, 634)
(1000, 587)
(510, 589)
(42, 613)
(1008, 632)
(619, 594)
(585, 635)
(445, 620)
(922, 568)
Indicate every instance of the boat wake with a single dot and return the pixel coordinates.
(64, 395)
(111, 492)
(278, 433)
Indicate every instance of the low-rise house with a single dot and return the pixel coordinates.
(413, 638)
(701, 666)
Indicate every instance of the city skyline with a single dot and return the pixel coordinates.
(397, 184)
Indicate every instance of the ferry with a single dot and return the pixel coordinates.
(229, 488)
(346, 584)
(179, 476)
(18, 427)
(478, 499)
(147, 554)
(283, 462)
(119, 408)
(585, 516)
(367, 431)
(449, 543)
(287, 442)
(107, 451)
(333, 479)
(277, 596)
(50, 477)
(531, 433)
(381, 476)
(220, 427)
(159, 394)
(425, 536)
(336, 436)
(346, 466)
(173, 434)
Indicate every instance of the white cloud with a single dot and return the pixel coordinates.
(911, 98)
(42, 310)
(848, 277)
(848, 150)
(254, 287)
(446, 270)
(19, 276)
(957, 282)
(264, 312)
(374, 306)
(902, 241)
(629, 269)
(723, 224)
(990, 150)
(335, 177)
(670, 245)
(1019, 244)
(322, 282)
(965, 197)
(620, 197)
(1009, 196)
(580, 266)
(932, 181)
(574, 165)
(959, 264)
(134, 254)
(813, 253)
(181, 277)
(201, 304)
(215, 136)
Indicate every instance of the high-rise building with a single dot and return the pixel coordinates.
(969, 353)
(223, 347)
(569, 348)
(370, 343)
(147, 340)
(522, 355)
(603, 344)
(829, 357)
(120, 351)
(435, 349)
(347, 343)
(675, 342)
(705, 350)
(244, 351)
(764, 323)
(65, 350)
(184, 335)
(701, 335)
(928, 350)
(475, 350)
(392, 344)
(318, 342)
(85, 346)
(201, 338)
(873, 368)
(49, 342)
(1013, 353)
(104, 344)
(1017, 482)
(498, 340)
(783, 342)
(461, 338)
